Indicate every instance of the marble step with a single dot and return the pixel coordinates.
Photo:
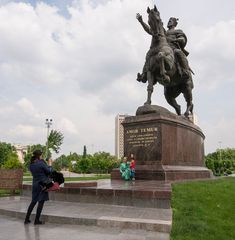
(102, 215)
(144, 194)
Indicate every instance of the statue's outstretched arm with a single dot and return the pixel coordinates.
(144, 25)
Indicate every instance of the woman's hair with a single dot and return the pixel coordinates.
(36, 155)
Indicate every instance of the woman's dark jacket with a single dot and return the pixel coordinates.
(40, 171)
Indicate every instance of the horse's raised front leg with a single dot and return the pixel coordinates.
(149, 88)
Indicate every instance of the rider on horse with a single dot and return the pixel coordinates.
(177, 40)
(166, 61)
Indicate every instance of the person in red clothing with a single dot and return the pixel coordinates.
(132, 167)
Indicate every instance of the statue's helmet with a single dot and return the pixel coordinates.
(172, 22)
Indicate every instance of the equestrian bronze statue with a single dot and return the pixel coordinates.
(166, 61)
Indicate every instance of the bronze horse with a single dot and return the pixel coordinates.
(161, 66)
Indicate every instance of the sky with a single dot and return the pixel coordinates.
(76, 62)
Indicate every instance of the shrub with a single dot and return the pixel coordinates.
(60, 163)
(229, 172)
(6, 150)
(12, 162)
(101, 162)
(221, 162)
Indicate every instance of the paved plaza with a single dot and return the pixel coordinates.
(12, 228)
(88, 220)
(123, 217)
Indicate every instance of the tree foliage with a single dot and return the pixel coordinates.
(222, 161)
(12, 162)
(101, 162)
(83, 165)
(84, 152)
(60, 163)
(8, 157)
(6, 150)
(66, 162)
(55, 140)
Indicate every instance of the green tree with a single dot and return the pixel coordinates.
(12, 162)
(221, 161)
(210, 164)
(6, 150)
(60, 163)
(83, 164)
(103, 162)
(73, 158)
(84, 152)
(55, 140)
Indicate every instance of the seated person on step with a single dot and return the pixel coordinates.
(125, 169)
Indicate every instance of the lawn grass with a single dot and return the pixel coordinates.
(204, 210)
(27, 174)
(97, 177)
(6, 193)
(69, 179)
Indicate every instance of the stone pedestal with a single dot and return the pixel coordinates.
(166, 146)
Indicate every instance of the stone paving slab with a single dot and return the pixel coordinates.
(13, 228)
(102, 215)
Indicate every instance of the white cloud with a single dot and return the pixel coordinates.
(6, 110)
(219, 130)
(26, 105)
(67, 125)
(25, 131)
(213, 52)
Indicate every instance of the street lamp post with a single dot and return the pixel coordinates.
(48, 125)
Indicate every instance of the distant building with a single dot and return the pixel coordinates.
(21, 151)
(119, 135)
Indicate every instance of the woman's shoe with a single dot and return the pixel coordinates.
(26, 221)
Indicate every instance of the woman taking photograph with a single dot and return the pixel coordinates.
(40, 171)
